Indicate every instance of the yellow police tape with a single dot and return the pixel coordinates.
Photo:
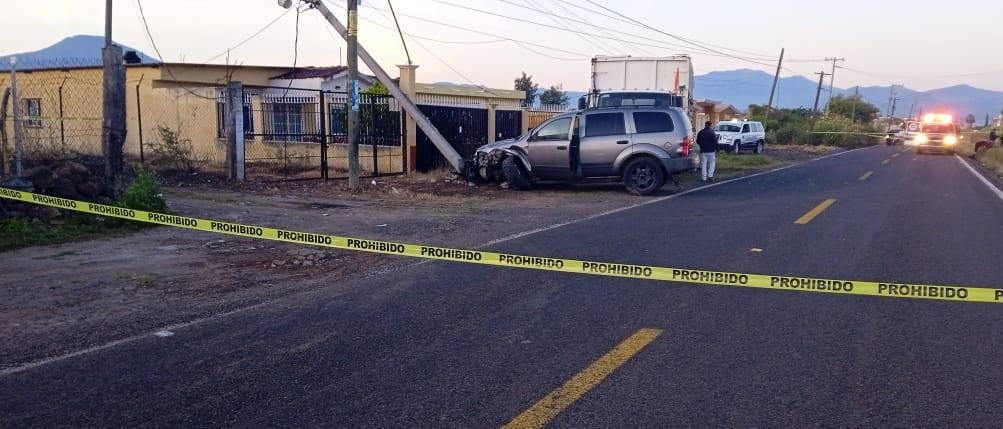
(761, 281)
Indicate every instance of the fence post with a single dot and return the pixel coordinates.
(492, 121)
(323, 135)
(139, 121)
(235, 130)
(525, 119)
(62, 126)
(16, 120)
(407, 85)
(3, 131)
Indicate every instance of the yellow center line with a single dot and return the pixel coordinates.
(560, 399)
(815, 212)
(886, 161)
(866, 175)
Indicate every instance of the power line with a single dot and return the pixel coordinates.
(577, 32)
(483, 33)
(444, 62)
(249, 38)
(680, 38)
(662, 46)
(156, 50)
(575, 15)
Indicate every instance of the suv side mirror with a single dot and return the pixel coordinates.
(583, 102)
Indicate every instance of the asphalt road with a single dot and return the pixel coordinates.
(451, 345)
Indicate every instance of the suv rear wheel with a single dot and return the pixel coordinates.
(759, 147)
(643, 176)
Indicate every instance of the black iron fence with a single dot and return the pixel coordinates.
(293, 133)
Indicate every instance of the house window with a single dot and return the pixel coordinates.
(338, 118)
(32, 112)
(221, 121)
(287, 122)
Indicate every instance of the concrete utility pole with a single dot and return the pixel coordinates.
(776, 78)
(832, 81)
(353, 97)
(853, 111)
(113, 106)
(818, 95)
(447, 151)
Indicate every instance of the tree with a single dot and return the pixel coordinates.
(970, 120)
(853, 107)
(378, 89)
(554, 95)
(525, 84)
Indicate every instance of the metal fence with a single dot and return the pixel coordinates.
(293, 133)
(53, 117)
(540, 114)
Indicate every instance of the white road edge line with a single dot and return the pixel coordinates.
(985, 181)
(175, 327)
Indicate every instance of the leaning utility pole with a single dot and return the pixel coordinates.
(113, 106)
(832, 81)
(818, 94)
(447, 151)
(776, 78)
(353, 96)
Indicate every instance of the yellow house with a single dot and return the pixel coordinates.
(285, 112)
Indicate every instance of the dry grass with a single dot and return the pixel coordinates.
(992, 159)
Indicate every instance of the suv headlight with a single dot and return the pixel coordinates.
(921, 139)
(951, 140)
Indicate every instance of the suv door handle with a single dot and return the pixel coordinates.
(623, 142)
(562, 148)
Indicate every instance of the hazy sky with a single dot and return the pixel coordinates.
(914, 43)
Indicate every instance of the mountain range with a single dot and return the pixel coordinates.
(737, 87)
(74, 51)
(744, 87)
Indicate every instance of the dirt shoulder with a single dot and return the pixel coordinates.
(60, 298)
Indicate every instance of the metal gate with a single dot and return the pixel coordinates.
(508, 124)
(464, 128)
(296, 133)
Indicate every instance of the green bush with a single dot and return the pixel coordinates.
(844, 133)
(143, 194)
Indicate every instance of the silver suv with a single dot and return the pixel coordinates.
(640, 147)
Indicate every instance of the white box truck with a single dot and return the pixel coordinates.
(626, 80)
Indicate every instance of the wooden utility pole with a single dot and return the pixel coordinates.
(3, 131)
(16, 109)
(353, 96)
(853, 110)
(776, 79)
(832, 81)
(818, 94)
(891, 94)
(113, 106)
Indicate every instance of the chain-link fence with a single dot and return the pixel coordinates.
(51, 117)
(181, 130)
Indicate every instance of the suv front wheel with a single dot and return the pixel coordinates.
(643, 176)
(514, 175)
(737, 147)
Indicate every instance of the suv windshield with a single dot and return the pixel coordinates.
(728, 128)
